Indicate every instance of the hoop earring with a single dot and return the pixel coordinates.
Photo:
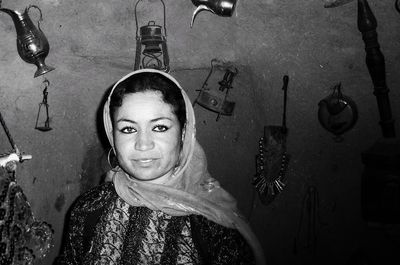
(109, 159)
(183, 134)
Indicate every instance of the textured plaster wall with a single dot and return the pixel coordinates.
(92, 46)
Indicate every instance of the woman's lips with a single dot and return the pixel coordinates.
(145, 161)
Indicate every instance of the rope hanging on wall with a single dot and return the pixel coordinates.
(3, 123)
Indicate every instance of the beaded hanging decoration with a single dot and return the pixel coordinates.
(268, 180)
(272, 159)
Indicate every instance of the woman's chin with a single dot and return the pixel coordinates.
(150, 177)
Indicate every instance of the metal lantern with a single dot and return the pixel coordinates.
(337, 113)
(151, 45)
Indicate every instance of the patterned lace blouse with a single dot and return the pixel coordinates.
(102, 229)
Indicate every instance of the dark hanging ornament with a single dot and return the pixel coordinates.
(375, 60)
(272, 159)
(337, 113)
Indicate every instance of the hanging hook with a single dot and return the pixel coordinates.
(46, 82)
(44, 103)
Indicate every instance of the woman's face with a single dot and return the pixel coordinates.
(147, 136)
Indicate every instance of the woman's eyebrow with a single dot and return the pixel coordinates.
(161, 118)
(125, 120)
(152, 120)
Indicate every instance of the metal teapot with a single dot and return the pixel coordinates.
(224, 8)
(337, 113)
(32, 44)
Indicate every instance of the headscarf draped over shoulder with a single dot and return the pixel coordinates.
(191, 190)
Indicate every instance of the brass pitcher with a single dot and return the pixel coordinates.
(223, 8)
(32, 44)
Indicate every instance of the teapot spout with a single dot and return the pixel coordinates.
(198, 10)
(15, 15)
(223, 8)
(12, 13)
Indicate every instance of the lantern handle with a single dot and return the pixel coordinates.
(136, 20)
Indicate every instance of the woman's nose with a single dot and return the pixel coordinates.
(144, 141)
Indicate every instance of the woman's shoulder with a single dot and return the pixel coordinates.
(210, 227)
(221, 244)
(95, 198)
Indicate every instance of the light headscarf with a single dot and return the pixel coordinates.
(191, 190)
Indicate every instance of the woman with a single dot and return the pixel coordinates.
(159, 205)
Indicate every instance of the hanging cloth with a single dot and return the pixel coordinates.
(22, 238)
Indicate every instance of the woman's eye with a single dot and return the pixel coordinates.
(160, 128)
(128, 130)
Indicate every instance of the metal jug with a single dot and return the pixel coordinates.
(32, 44)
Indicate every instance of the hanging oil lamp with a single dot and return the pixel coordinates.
(151, 45)
(42, 119)
(216, 100)
(337, 113)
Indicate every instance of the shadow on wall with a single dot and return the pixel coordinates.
(95, 163)
(94, 166)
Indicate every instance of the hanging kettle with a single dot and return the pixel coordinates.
(337, 113)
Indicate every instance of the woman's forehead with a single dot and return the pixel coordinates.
(144, 104)
(147, 95)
